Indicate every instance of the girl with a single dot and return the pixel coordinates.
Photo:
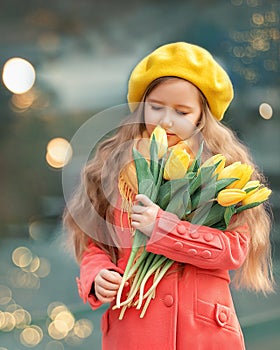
(183, 89)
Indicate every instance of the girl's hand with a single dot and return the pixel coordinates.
(106, 285)
(143, 216)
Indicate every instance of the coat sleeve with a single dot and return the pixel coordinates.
(202, 246)
(94, 259)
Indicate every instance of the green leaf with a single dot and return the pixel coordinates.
(220, 225)
(249, 189)
(228, 214)
(248, 206)
(168, 190)
(210, 191)
(142, 166)
(187, 203)
(147, 187)
(154, 166)
(197, 160)
(177, 203)
(208, 215)
(146, 183)
(203, 176)
(223, 183)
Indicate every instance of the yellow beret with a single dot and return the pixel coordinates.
(186, 61)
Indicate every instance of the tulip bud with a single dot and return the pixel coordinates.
(161, 140)
(230, 196)
(260, 195)
(218, 158)
(251, 186)
(177, 164)
(241, 171)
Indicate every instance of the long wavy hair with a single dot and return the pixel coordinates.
(98, 175)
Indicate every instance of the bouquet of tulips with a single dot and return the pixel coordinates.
(206, 194)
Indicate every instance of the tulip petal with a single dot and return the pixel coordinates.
(161, 138)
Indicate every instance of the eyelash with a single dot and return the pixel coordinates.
(157, 108)
(181, 113)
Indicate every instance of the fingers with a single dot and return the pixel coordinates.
(143, 199)
(106, 285)
(138, 209)
(111, 276)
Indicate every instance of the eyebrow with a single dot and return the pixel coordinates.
(151, 100)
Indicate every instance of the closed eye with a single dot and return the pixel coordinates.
(156, 108)
(181, 113)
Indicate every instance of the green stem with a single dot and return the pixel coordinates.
(137, 280)
(132, 292)
(164, 269)
(136, 265)
(151, 296)
(138, 241)
(122, 312)
(147, 303)
(160, 261)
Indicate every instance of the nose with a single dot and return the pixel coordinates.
(166, 119)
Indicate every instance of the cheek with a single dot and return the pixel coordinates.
(184, 129)
(151, 121)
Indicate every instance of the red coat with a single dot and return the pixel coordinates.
(193, 308)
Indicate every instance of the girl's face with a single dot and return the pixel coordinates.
(175, 105)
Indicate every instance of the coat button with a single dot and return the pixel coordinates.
(181, 229)
(206, 254)
(208, 237)
(178, 245)
(192, 252)
(222, 317)
(194, 234)
(168, 300)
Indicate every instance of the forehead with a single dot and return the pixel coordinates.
(175, 91)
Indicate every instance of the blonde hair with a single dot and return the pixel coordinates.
(256, 271)
(89, 204)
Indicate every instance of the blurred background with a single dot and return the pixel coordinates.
(61, 63)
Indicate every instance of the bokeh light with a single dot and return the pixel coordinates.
(22, 256)
(44, 268)
(22, 317)
(54, 345)
(5, 295)
(18, 75)
(58, 329)
(31, 336)
(23, 101)
(265, 110)
(59, 152)
(31, 269)
(83, 328)
(7, 321)
(62, 321)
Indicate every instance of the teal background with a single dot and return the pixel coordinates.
(83, 52)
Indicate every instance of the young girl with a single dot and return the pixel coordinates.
(182, 88)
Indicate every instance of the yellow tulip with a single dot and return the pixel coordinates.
(161, 140)
(177, 164)
(214, 160)
(184, 146)
(252, 184)
(241, 171)
(260, 195)
(230, 196)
